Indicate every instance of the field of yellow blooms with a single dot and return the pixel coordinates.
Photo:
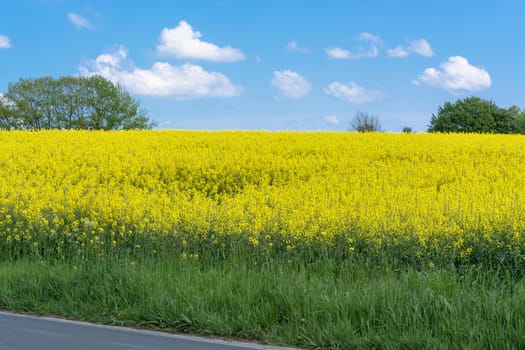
(409, 197)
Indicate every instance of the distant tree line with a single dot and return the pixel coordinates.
(468, 115)
(92, 103)
(473, 114)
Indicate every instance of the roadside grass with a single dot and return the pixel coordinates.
(327, 304)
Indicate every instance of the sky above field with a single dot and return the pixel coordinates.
(272, 64)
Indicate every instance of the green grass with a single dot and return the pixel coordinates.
(326, 304)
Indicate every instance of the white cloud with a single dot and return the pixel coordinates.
(183, 42)
(359, 52)
(352, 93)
(79, 21)
(365, 36)
(162, 79)
(456, 75)
(290, 83)
(419, 47)
(292, 46)
(399, 52)
(5, 42)
(373, 51)
(332, 119)
(338, 53)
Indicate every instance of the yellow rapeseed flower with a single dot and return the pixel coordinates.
(415, 196)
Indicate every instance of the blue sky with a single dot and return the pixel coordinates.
(273, 64)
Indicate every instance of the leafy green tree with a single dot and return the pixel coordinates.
(506, 120)
(24, 102)
(111, 107)
(518, 119)
(4, 116)
(8, 118)
(471, 114)
(71, 103)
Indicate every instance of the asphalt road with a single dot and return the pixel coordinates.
(23, 332)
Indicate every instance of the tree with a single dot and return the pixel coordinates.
(365, 122)
(8, 119)
(4, 117)
(505, 121)
(519, 123)
(407, 130)
(518, 119)
(70, 103)
(111, 107)
(471, 114)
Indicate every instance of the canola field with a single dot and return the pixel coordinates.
(424, 199)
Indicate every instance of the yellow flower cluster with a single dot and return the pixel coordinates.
(406, 196)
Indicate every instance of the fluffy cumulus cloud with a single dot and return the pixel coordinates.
(79, 21)
(183, 42)
(5, 42)
(162, 79)
(419, 47)
(352, 92)
(293, 46)
(456, 75)
(332, 119)
(291, 84)
(360, 52)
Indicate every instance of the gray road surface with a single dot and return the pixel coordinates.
(23, 332)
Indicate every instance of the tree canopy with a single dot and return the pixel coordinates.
(473, 114)
(70, 103)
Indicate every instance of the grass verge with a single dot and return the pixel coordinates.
(325, 305)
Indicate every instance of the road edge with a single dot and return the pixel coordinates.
(195, 338)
